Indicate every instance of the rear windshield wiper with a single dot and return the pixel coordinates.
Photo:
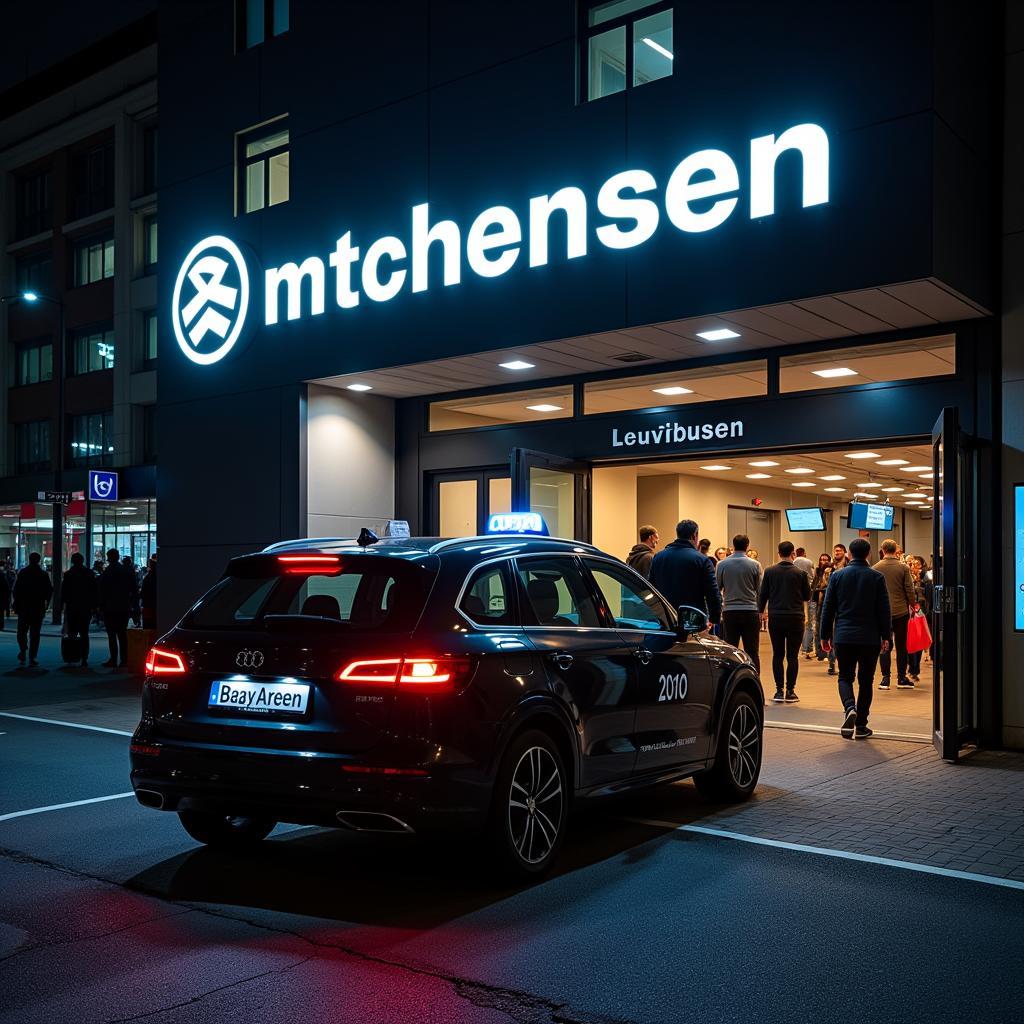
(302, 622)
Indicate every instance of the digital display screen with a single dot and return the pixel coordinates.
(865, 516)
(800, 519)
(1018, 558)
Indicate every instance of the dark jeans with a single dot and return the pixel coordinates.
(745, 626)
(899, 641)
(914, 663)
(786, 632)
(117, 634)
(857, 660)
(76, 623)
(28, 634)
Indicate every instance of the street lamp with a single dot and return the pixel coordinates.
(57, 538)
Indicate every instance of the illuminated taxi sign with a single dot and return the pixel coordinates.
(517, 522)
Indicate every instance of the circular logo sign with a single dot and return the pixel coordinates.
(211, 299)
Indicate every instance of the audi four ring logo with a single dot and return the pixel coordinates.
(249, 659)
(211, 299)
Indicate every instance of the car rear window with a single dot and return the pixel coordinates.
(366, 594)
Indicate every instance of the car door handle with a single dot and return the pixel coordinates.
(643, 655)
(562, 660)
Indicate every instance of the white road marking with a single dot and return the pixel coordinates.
(61, 807)
(821, 851)
(69, 725)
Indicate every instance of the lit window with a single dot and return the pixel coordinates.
(92, 350)
(91, 439)
(94, 260)
(625, 43)
(263, 160)
(494, 410)
(259, 20)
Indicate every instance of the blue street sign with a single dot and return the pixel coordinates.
(102, 485)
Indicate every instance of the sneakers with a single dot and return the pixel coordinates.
(791, 697)
(32, 662)
(905, 684)
(21, 657)
(883, 683)
(780, 697)
(849, 722)
(809, 655)
(863, 733)
(831, 670)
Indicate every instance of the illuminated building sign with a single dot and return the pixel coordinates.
(517, 522)
(702, 192)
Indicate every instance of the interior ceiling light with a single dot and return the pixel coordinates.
(915, 494)
(892, 490)
(762, 463)
(862, 455)
(836, 371)
(928, 475)
(359, 387)
(833, 476)
(518, 364)
(675, 389)
(862, 494)
(869, 483)
(893, 462)
(545, 407)
(800, 471)
(659, 48)
(716, 468)
(836, 490)
(720, 334)
(916, 469)
(759, 476)
(914, 503)
(804, 483)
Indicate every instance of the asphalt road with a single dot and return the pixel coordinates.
(109, 912)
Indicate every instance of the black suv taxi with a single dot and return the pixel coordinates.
(484, 683)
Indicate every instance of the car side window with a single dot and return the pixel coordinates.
(557, 593)
(632, 603)
(487, 600)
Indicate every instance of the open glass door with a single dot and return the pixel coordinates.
(954, 701)
(557, 488)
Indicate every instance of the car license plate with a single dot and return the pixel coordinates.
(259, 698)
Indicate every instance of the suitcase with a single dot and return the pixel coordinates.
(70, 648)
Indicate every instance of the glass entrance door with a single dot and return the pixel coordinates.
(954, 710)
(460, 503)
(557, 488)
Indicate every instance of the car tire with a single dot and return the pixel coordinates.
(226, 831)
(736, 768)
(530, 806)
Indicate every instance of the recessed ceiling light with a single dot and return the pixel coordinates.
(862, 455)
(720, 334)
(893, 462)
(915, 494)
(869, 484)
(716, 468)
(658, 48)
(518, 364)
(804, 483)
(833, 476)
(928, 475)
(762, 463)
(914, 503)
(759, 476)
(916, 469)
(891, 490)
(544, 407)
(836, 490)
(359, 387)
(674, 390)
(861, 494)
(800, 471)
(835, 371)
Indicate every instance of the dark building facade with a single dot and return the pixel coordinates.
(416, 245)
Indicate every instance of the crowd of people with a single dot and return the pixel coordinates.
(844, 609)
(110, 594)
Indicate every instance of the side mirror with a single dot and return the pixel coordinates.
(691, 620)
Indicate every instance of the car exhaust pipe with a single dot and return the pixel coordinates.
(150, 798)
(372, 821)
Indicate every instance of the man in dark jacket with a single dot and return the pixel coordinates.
(148, 594)
(5, 598)
(79, 595)
(640, 556)
(856, 614)
(685, 576)
(785, 590)
(32, 593)
(117, 589)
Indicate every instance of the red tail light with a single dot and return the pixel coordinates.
(437, 674)
(326, 565)
(160, 662)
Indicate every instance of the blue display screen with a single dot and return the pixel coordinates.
(800, 519)
(866, 516)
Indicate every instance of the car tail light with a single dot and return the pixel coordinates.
(161, 662)
(145, 749)
(369, 769)
(323, 565)
(423, 675)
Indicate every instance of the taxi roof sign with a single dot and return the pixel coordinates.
(517, 522)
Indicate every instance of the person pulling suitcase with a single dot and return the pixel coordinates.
(79, 594)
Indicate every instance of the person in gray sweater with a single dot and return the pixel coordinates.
(902, 601)
(739, 579)
(640, 555)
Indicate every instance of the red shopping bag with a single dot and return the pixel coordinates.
(919, 637)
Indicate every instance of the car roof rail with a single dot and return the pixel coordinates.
(525, 538)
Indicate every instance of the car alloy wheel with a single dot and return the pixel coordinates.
(744, 745)
(535, 805)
